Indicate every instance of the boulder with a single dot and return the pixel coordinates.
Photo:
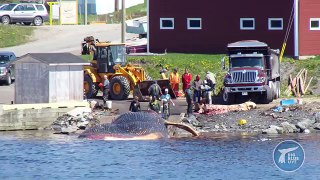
(316, 126)
(288, 128)
(304, 124)
(192, 120)
(272, 130)
(317, 117)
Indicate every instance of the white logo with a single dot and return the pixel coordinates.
(282, 158)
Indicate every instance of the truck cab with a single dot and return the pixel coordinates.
(253, 70)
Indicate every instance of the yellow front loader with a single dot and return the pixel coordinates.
(110, 59)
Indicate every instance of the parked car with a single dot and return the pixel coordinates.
(24, 13)
(6, 67)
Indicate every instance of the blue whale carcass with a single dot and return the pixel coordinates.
(134, 126)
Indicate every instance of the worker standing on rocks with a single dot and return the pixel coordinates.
(186, 80)
(106, 84)
(154, 90)
(196, 86)
(174, 81)
(188, 95)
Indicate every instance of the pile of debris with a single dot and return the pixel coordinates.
(298, 86)
(79, 118)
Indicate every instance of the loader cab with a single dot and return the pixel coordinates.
(109, 55)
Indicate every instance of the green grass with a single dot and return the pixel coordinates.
(196, 63)
(200, 64)
(14, 35)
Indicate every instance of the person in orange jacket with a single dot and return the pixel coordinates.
(174, 81)
(186, 80)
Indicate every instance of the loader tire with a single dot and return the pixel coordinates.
(119, 88)
(91, 88)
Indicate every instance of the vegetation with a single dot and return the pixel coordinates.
(200, 64)
(14, 35)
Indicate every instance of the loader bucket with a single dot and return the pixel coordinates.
(141, 89)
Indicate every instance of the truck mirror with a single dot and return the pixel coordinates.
(223, 64)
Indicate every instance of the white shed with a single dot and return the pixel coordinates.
(48, 78)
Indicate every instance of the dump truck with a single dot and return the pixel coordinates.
(110, 59)
(253, 70)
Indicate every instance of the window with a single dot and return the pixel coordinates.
(166, 23)
(40, 7)
(194, 23)
(275, 24)
(247, 24)
(29, 7)
(314, 23)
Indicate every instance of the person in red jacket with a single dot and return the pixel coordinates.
(186, 80)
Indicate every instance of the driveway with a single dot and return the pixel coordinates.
(67, 38)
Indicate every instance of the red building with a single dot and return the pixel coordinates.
(207, 26)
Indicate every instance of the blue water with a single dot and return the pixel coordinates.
(42, 155)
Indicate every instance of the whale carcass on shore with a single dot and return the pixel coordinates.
(134, 126)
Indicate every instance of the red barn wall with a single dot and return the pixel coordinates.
(309, 40)
(220, 24)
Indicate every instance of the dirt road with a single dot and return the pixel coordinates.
(50, 39)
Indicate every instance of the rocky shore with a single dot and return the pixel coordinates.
(294, 119)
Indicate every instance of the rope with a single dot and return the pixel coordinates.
(287, 33)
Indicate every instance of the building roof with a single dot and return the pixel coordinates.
(247, 43)
(57, 58)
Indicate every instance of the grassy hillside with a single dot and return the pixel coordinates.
(200, 64)
(14, 35)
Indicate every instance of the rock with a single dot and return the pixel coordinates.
(80, 111)
(304, 124)
(280, 130)
(192, 120)
(317, 117)
(224, 127)
(288, 128)
(216, 126)
(316, 126)
(272, 130)
(306, 131)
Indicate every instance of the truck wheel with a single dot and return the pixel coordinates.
(119, 88)
(91, 88)
(228, 98)
(268, 95)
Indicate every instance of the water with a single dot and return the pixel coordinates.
(42, 155)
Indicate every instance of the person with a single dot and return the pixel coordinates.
(174, 81)
(212, 78)
(106, 84)
(154, 90)
(154, 105)
(196, 86)
(166, 98)
(189, 100)
(135, 105)
(186, 79)
(163, 72)
(208, 88)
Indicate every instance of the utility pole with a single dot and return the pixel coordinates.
(85, 12)
(123, 29)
